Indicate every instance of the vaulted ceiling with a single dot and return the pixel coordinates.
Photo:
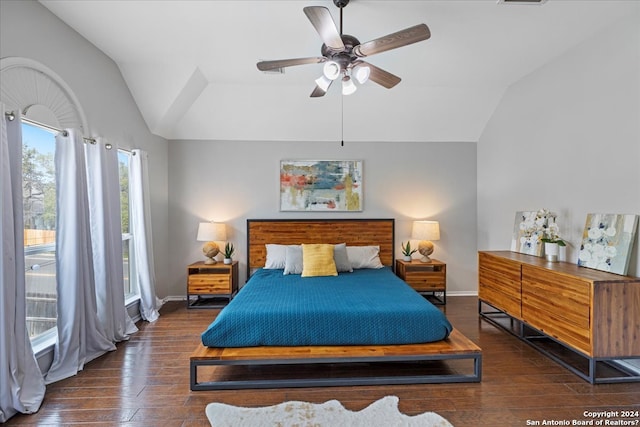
(191, 65)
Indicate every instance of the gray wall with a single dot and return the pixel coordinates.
(566, 137)
(233, 181)
(27, 29)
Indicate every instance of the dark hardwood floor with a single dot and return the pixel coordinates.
(146, 383)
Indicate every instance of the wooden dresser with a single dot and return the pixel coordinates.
(596, 314)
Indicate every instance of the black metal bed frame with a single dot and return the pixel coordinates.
(476, 357)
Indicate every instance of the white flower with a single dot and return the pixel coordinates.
(594, 233)
(598, 250)
(584, 256)
(604, 266)
(611, 231)
(611, 251)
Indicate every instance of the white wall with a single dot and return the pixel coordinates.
(566, 137)
(235, 181)
(27, 29)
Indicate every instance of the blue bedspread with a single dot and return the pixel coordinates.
(366, 307)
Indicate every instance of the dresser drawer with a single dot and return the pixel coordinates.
(557, 305)
(497, 265)
(499, 284)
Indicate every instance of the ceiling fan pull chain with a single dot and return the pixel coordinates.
(341, 117)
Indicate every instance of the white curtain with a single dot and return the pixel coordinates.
(81, 338)
(21, 385)
(141, 228)
(106, 237)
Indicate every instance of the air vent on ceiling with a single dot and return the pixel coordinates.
(522, 1)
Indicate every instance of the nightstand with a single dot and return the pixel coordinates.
(427, 278)
(212, 285)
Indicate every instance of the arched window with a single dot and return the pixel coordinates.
(39, 94)
(45, 103)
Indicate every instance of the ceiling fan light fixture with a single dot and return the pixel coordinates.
(361, 73)
(323, 83)
(331, 70)
(348, 87)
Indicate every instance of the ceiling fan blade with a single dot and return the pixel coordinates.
(392, 41)
(322, 21)
(380, 76)
(282, 63)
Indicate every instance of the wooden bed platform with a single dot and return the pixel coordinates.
(457, 346)
(356, 232)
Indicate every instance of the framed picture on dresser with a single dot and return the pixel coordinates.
(607, 241)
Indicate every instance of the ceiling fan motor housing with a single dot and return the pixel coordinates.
(341, 3)
(342, 57)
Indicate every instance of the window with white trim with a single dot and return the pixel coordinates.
(130, 283)
(39, 206)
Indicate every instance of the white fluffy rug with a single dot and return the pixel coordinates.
(382, 413)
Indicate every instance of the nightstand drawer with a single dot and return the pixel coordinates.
(208, 284)
(425, 280)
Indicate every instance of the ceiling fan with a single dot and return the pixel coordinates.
(342, 53)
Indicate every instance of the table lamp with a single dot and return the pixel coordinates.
(210, 232)
(425, 232)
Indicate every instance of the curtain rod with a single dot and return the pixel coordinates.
(11, 116)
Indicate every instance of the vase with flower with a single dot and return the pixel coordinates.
(552, 241)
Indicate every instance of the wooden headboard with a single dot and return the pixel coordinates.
(353, 232)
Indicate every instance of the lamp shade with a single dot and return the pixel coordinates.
(331, 70)
(361, 73)
(323, 82)
(425, 230)
(211, 231)
(348, 87)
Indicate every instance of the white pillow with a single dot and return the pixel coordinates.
(293, 260)
(276, 256)
(341, 257)
(364, 256)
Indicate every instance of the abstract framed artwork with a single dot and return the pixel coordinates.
(607, 242)
(321, 185)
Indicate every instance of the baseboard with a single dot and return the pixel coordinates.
(462, 294)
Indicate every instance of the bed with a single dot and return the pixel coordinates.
(391, 324)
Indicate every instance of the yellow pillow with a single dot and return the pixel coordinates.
(317, 260)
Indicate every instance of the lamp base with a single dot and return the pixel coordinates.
(210, 250)
(425, 248)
